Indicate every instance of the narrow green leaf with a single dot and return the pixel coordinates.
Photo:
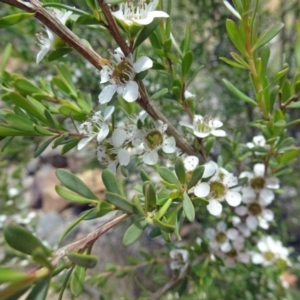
(137, 202)
(235, 36)
(43, 147)
(60, 52)
(168, 228)
(188, 207)
(110, 182)
(8, 275)
(238, 93)
(160, 94)
(77, 280)
(68, 146)
(267, 35)
(180, 170)
(187, 61)
(134, 231)
(14, 19)
(144, 176)
(150, 195)
(232, 63)
(7, 130)
(19, 122)
(163, 209)
(5, 58)
(75, 184)
(74, 198)
(119, 201)
(167, 175)
(196, 176)
(25, 86)
(23, 240)
(40, 290)
(38, 255)
(83, 260)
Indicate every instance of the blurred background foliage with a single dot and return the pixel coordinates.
(209, 42)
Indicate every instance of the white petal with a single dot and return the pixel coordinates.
(118, 14)
(233, 10)
(202, 189)
(210, 169)
(214, 207)
(215, 123)
(83, 142)
(42, 53)
(201, 135)
(251, 222)
(119, 136)
(272, 183)
(150, 158)
(232, 233)
(123, 157)
(266, 197)
(257, 259)
(233, 198)
(210, 233)
(243, 257)
(188, 95)
(143, 63)
(190, 163)
(107, 93)
(108, 112)
(169, 145)
(104, 74)
(259, 140)
(268, 215)
(186, 124)
(241, 210)
(226, 247)
(102, 133)
(112, 167)
(221, 226)
(219, 133)
(131, 91)
(259, 170)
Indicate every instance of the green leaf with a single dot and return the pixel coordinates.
(58, 53)
(185, 44)
(110, 182)
(196, 176)
(160, 94)
(66, 76)
(188, 207)
(73, 183)
(144, 175)
(146, 32)
(8, 275)
(187, 61)
(5, 57)
(163, 209)
(119, 201)
(288, 156)
(150, 195)
(134, 231)
(68, 146)
(14, 19)
(74, 198)
(26, 87)
(19, 122)
(180, 170)
(102, 209)
(43, 147)
(87, 20)
(40, 290)
(294, 105)
(167, 175)
(232, 63)
(137, 202)
(267, 35)
(23, 240)
(238, 93)
(83, 260)
(7, 130)
(27, 105)
(77, 280)
(235, 36)
(38, 255)
(168, 228)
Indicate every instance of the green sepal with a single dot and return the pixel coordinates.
(83, 260)
(134, 231)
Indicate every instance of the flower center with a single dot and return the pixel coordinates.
(268, 255)
(202, 125)
(257, 183)
(109, 151)
(154, 139)
(122, 73)
(221, 237)
(217, 190)
(255, 209)
(232, 254)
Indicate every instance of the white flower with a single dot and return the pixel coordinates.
(112, 157)
(256, 211)
(96, 126)
(179, 259)
(220, 238)
(223, 185)
(258, 141)
(270, 252)
(143, 14)
(190, 163)
(121, 76)
(153, 140)
(204, 126)
(46, 43)
(188, 95)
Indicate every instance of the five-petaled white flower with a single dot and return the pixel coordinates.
(270, 252)
(121, 76)
(180, 259)
(223, 185)
(46, 43)
(204, 126)
(95, 126)
(143, 14)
